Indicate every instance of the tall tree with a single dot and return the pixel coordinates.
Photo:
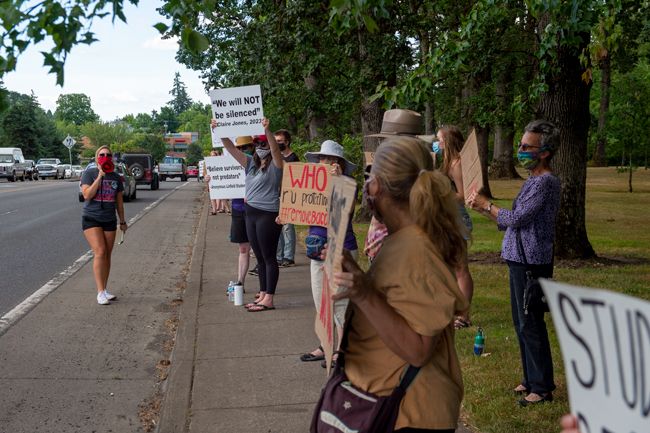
(75, 108)
(565, 34)
(21, 125)
(180, 99)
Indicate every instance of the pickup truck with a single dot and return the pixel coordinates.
(50, 167)
(172, 166)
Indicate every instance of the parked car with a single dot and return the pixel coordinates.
(67, 171)
(77, 170)
(31, 171)
(128, 181)
(50, 167)
(142, 167)
(172, 166)
(201, 170)
(193, 171)
(12, 163)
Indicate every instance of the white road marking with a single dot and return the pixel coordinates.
(20, 310)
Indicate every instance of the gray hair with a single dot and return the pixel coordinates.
(550, 135)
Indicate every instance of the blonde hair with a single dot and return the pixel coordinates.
(404, 167)
(100, 149)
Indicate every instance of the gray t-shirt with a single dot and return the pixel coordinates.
(102, 206)
(263, 186)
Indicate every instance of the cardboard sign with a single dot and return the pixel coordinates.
(305, 194)
(238, 111)
(227, 177)
(605, 342)
(471, 164)
(341, 203)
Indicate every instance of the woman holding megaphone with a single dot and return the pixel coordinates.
(102, 191)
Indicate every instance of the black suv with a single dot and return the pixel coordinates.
(141, 166)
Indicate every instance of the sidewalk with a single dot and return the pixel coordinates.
(234, 371)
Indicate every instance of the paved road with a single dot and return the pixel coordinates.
(72, 366)
(40, 233)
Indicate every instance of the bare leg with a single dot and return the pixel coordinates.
(101, 262)
(109, 237)
(244, 261)
(466, 285)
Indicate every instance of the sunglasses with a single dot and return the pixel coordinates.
(105, 154)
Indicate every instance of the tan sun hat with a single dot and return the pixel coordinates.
(243, 140)
(400, 122)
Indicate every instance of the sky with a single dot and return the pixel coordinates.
(129, 70)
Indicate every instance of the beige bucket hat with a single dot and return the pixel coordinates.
(399, 121)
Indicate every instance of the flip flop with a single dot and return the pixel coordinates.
(259, 307)
(460, 323)
(308, 357)
(250, 304)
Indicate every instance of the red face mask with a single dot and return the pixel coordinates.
(106, 163)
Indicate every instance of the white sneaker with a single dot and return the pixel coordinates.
(109, 296)
(102, 299)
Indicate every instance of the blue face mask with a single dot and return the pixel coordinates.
(435, 147)
(528, 160)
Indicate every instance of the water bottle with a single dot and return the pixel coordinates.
(479, 342)
(231, 291)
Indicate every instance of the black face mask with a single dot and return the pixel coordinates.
(282, 146)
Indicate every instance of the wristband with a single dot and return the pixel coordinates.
(122, 223)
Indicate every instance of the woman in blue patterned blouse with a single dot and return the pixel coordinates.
(532, 219)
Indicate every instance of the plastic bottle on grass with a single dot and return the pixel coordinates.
(479, 342)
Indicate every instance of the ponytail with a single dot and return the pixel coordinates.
(433, 208)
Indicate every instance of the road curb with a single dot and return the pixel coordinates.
(174, 414)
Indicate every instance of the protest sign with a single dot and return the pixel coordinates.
(238, 111)
(605, 342)
(471, 164)
(341, 203)
(305, 194)
(227, 177)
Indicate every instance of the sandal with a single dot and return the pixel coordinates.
(260, 307)
(459, 323)
(309, 357)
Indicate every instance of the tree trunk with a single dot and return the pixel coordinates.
(503, 166)
(314, 117)
(600, 159)
(371, 112)
(629, 179)
(567, 105)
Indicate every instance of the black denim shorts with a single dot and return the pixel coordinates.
(107, 226)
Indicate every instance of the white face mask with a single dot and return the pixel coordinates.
(263, 153)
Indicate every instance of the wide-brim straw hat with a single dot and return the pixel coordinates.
(399, 121)
(243, 140)
(331, 148)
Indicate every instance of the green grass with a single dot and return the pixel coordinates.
(617, 226)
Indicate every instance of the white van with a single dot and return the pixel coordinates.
(12, 163)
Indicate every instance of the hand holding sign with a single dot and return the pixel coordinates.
(352, 282)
